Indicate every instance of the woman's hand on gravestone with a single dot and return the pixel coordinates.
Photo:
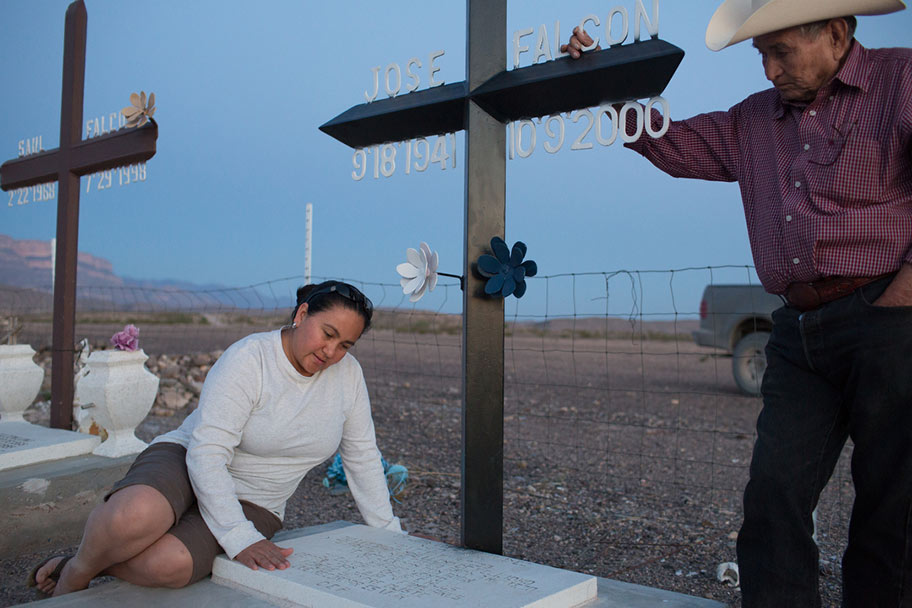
(264, 554)
(578, 41)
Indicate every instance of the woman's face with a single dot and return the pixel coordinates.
(321, 339)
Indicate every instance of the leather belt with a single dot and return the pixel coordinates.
(808, 296)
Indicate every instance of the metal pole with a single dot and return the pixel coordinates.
(308, 240)
(483, 318)
(53, 261)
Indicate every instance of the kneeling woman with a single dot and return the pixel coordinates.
(274, 406)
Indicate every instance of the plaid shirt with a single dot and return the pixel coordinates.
(826, 187)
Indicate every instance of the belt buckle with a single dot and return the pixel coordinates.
(803, 296)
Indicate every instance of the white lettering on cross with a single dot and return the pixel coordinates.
(522, 139)
(432, 69)
(32, 145)
(614, 35)
(372, 96)
(384, 156)
(652, 25)
(609, 39)
(412, 86)
(595, 21)
(518, 48)
(391, 91)
(542, 48)
(392, 77)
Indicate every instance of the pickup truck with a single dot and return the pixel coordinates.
(737, 319)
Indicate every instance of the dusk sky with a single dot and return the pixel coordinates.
(242, 87)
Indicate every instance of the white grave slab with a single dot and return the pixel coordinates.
(22, 443)
(360, 567)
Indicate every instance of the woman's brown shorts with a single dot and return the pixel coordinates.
(163, 466)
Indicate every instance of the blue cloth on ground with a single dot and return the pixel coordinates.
(396, 477)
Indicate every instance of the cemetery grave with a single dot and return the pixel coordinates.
(22, 443)
(487, 103)
(361, 566)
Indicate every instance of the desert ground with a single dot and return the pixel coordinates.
(625, 446)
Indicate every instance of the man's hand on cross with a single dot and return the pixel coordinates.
(578, 41)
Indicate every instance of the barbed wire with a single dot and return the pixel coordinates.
(606, 396)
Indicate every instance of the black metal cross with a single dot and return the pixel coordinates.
(73, 159)
(490, 97)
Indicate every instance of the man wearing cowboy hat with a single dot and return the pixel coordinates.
(824, 163)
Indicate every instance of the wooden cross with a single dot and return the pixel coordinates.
(73, 159)
(490, 97)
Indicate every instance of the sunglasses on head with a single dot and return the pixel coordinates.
(346, 291)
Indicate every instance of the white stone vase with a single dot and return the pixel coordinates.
(118, 391)
(20, 380)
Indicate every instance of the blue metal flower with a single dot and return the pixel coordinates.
(505, 270)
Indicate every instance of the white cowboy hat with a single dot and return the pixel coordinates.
(738, 20)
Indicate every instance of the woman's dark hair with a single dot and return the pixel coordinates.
(328, 294)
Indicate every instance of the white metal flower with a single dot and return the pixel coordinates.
(419, 273)
(727, 572)
(139, 112)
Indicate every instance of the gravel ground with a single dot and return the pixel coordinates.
(624, 459)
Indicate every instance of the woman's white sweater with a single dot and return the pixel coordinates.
(261, 426)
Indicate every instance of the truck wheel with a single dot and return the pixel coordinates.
(749, 362)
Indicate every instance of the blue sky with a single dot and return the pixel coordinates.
(241, 88)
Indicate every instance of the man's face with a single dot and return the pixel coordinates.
(796, 64)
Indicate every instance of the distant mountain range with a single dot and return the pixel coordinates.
(25, 286)
(26, 264)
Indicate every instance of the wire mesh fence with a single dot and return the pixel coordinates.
(626, 443)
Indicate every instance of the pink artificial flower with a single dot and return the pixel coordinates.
(128, 339)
